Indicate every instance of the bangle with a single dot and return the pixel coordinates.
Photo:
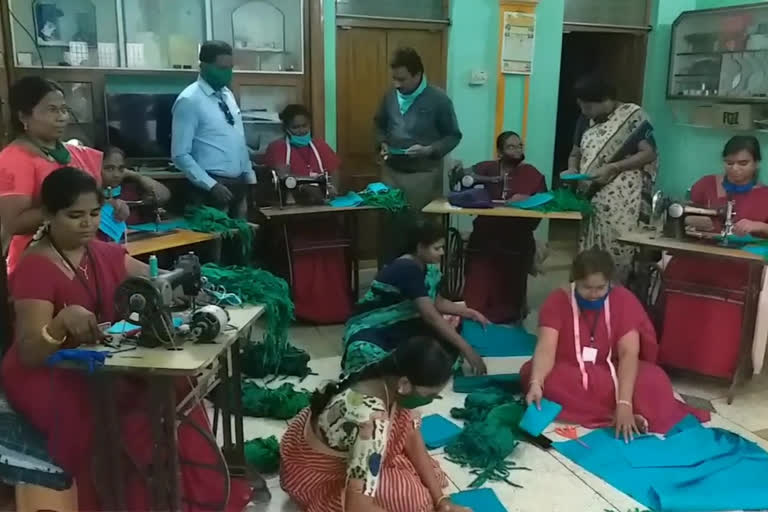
(536, 381)
(625, 402)
(443, 498)
(50, 339)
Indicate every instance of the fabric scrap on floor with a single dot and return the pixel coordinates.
(263, 454)
(693, 469)
(438, 431)
(535, 421)
(498, 340)
(479, 500)
(282, 403)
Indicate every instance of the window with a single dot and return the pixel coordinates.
(629, 13)
(406, 9)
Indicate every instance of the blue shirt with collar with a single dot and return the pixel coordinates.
(203, 142)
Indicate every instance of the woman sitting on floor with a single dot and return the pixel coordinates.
(404, 301)
(64, 287)
(359, 448)
(596, 356)
(501, 250)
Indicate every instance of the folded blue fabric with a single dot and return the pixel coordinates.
(576, 177)
(479, 500)
(534, 201)
(166, 225)
(438, 431)
(109, 226)
(760, 250)
(377, 187)
(472, 198)
(123, 327)
(92, 359)
(738, 239)
(498, 340)
(535, 421)
(396, 151)
(470, 383)
(729, 474)
(350, 200)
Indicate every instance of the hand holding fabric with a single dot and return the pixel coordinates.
(77, 324)
(476, 362)
(121, 210)
(604, 174)
(748, 227)
(419, 151)
(625, 423)
(535, 394)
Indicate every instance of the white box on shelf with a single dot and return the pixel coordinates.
(135, 55)
(107, 55)
(78, 53)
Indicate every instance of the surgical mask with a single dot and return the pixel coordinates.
(732, 188)
(591, 304)
(300, 140)
(414, 401)
(218, 78)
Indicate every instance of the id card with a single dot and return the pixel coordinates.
(589, 354)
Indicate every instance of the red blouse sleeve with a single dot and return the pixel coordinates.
(34, 278)
(701, 191)
(17, 172)
(275, 155)
(555, 310)
(331, 160)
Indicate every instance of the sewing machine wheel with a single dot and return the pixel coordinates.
(290, 182)
(138, 297)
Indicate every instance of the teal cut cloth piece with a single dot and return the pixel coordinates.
(114, 229)
(535, 421)
(438, 431)
(498, 340)
(396, 151)
(738, 239)
(694, 469)
(124, 327)
(479, 500)
(163, 227)
(534, 201)
(347, 201)
(760, 250)
(470, 383)
(377, 187)
(576, 177)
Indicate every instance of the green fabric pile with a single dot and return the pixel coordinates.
(489, 437)
(282, 403)
(392, 200)
(566, 200)
(211, 220)
(256, 286)
(294, 362)
(263, 454)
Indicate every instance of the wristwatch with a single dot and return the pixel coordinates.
(50, 339)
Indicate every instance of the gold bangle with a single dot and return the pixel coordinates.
(50, 339)
(625, 402)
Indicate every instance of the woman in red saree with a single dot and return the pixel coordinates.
(358, 447)
(320, 271)
(501, 250)
(63, 288)
(688, 340)
(596, 356)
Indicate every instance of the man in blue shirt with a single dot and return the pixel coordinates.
(208, 141)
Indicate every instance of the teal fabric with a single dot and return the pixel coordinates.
(470, 383)
(405, 101)
(535, 421)
(379, 187)
(479, 500)
(109, 226)
(534, 201)
(438, 431)
(166, 225)
(694, 469)
(576, 177)
(760, 250)
(396, 151)
(348, 201)
(498, 340)
(738, 239)
(123, 327)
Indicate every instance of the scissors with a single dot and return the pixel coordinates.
(570, 433)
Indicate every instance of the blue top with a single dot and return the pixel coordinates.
(204, 143)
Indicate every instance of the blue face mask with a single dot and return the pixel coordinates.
(300, 140)
(738, 189)
(591, 305)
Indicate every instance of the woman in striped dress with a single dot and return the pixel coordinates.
(358, 447)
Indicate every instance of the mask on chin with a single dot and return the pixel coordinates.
(591, 304)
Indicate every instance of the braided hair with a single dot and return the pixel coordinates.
(423, 360)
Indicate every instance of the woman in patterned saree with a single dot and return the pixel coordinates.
(614, 145)
(403, 302)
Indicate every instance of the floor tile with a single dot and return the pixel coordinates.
(547, 487)
(762, 434)
(280, 502)
(747, 410)
(699, 386)
(718, 421)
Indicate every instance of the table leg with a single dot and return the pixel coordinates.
(288, 253)
(744, 368)
(353, 249)
(235, 454)
(108, 445)
(166, 470)
(225, 400)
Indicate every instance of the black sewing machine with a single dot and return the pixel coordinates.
(147, 301)
(303, 190)
(677, 212)
(148, 204)
(460, 179)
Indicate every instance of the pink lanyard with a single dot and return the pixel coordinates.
(577, 340)
(314, 150)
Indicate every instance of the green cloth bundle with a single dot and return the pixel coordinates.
(566, 200)
(257, 286)
(294, 362)
(211, 220)
(392, 200)
(282, 403)
(490, 436)
(263, 454)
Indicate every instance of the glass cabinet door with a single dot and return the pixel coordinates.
(163, 34)
(266, 35)
(65, 33)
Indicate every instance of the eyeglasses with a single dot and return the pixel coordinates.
(224, 108)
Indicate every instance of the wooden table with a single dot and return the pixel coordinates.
(289, 213)
(206, 366)
(443, 207)
(754, 281)
(174, 240)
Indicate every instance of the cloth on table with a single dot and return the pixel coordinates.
(695, 469)
(472, 198)
(438, 431)
(565, 200)
(479, 500)
(206, 219)
(534, 201)
(535, 421)
(498, 340)
(347, 201)
(161, 227)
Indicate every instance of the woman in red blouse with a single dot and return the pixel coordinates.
(318, 264)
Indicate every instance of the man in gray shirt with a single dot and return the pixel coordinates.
(416, 128)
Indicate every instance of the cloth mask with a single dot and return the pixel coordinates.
(732, 188)
(217, 78)
(590, 304)
(405, 101)
(300, 140)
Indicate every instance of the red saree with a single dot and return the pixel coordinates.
(501, 250)
(595, 406)
(58, 401)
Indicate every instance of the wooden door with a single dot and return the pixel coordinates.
(429, 44)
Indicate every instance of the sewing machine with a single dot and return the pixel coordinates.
(149, 202)
(460, 179)
(301, 188)
(147, 301)
(678, 212)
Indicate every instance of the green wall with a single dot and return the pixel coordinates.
(686, 152)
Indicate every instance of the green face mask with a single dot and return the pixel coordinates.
(218, 78)
(414, 401)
